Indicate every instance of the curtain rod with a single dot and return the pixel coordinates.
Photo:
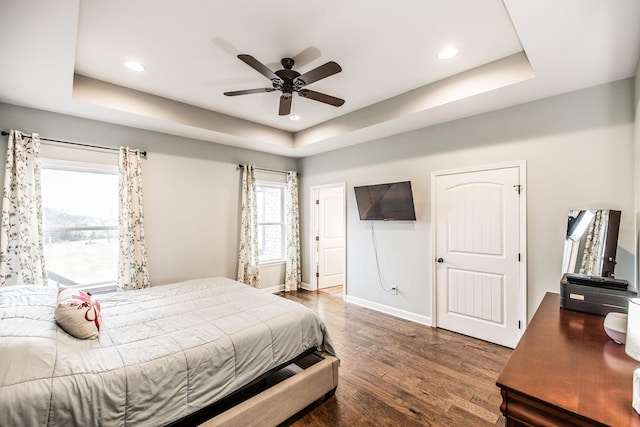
(101, 147)
(266, 169)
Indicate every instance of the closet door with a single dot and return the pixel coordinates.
(477, 256)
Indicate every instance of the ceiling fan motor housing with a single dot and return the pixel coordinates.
(287, 63)
(287, 75)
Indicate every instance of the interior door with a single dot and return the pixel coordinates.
(477, 263)
(330, 236)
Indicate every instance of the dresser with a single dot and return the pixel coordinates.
(567, 371)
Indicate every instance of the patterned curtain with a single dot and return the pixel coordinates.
(592, 258)
(132, 258)
(21, 246)
(293, 275)
(248, 270)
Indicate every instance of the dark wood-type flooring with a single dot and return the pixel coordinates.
(394, 372)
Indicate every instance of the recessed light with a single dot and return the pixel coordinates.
(448, 53)
(294, 116)
(135, 66)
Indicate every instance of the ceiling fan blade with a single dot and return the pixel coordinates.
(323, 71)
(322, 97)
(258, 66)
(248, 91)
(285, 105)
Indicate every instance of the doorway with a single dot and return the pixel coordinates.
(479, 252)
(328, 237)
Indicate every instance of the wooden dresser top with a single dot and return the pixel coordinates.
(565, 359)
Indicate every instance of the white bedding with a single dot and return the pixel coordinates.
(162, 353)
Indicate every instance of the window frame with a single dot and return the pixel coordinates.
(82, 167)
(283, 229)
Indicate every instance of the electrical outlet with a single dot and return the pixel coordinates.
(394, 290)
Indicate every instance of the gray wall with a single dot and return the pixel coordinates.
(578, 149)
(191, 191)
(636, 169)
(637, 86)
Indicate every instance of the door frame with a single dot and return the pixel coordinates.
(522, 178)
(314, 189)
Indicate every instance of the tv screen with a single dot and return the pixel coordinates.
(386, 202)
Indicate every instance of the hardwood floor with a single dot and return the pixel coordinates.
(394, 372)
(333, 290)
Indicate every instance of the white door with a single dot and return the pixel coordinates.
(330, 233)
(477, 254)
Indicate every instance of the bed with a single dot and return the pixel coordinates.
(162, 355)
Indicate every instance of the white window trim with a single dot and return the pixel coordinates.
(282, 186)
(70, 165)
(88, 167)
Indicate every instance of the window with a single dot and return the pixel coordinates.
(80, 219)
(271, 229)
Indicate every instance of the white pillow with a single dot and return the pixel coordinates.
(78, 313)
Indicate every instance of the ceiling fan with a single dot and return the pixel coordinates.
(289, 81)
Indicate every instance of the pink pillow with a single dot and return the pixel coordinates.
(78, 313)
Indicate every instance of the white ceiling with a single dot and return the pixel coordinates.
(392, 80)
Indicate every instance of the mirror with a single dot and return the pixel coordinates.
(591, 242)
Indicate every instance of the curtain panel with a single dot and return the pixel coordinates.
(293, 274)
(132, 257)
(248, 269)
(21, 241)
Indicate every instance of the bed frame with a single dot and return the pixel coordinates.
(275, 396)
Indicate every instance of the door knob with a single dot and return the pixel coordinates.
(440, 260)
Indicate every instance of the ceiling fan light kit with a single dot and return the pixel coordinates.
(289, 81)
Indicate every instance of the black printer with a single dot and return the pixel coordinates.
(594, 294)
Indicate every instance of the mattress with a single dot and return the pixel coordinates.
(162, 352)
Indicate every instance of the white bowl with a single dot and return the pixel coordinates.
(615, 325)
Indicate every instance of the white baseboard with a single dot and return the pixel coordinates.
(307, 286)
(423, 320)
(280, 288)
(274, 289)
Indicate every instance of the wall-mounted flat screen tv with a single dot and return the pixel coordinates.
(386, 202)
